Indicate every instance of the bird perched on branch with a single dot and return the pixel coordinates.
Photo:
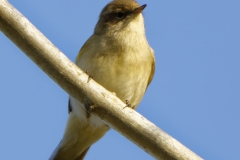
(120, 59)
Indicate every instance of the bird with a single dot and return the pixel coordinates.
(120, 59)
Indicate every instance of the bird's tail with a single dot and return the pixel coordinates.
(72, 145)
(58, 154)
(77, 139)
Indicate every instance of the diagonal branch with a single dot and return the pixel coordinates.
(75, 82)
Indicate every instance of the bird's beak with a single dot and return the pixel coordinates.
(139, 9)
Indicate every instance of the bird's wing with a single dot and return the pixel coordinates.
(153, 67)
(84, 48)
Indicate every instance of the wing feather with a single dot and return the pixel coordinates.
(153, 67)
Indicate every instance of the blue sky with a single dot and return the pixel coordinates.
(194, 97)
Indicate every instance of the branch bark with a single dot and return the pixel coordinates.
(74, 81)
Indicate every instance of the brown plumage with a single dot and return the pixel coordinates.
(121, 60)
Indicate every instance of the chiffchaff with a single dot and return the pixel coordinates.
(120, 59)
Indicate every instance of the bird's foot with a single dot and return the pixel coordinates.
(128, 104)
(89, 109)
(89, 76)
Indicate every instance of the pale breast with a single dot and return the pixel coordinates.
(126, 75)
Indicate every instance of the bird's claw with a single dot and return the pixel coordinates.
(89, 109)
(89, 76)
(128, 104)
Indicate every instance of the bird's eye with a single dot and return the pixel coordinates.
(119, 15)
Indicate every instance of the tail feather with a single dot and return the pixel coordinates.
(74, 143)
(77, 139)
(60, 154)
(83, 154)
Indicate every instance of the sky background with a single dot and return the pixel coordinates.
(194, 96)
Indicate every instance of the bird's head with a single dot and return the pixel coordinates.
(120, 15)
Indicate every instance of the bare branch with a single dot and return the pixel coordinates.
(74, 81)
